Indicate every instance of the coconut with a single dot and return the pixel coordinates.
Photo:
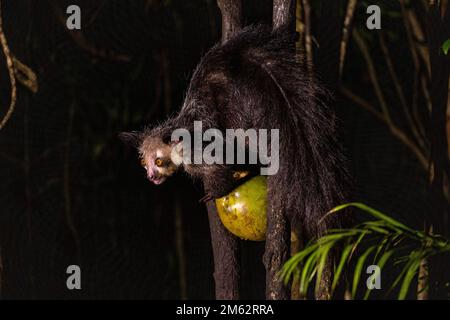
(244, 210)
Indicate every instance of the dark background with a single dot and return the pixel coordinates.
(71, 193)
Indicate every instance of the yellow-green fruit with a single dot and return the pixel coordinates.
(243, 211)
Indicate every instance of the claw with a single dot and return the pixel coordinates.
(206, 198)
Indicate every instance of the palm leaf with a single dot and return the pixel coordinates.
(345, 254)
(412, 267)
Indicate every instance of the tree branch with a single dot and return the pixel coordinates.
(348, 21)
(372, 74)
(283, 14)
(399, 90)
(308, 35)
(231, 17)
(11, 72)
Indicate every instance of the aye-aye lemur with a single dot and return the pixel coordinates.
(255, 80)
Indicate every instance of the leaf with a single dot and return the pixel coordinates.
(446, 47)
(293, 263)
(379, 215)
(412, 270)
(383, 245)
(345, 254)
(357, 243)
(306, 272)
(383, 236)
(413, 256)
(379, 230)
(335, 237)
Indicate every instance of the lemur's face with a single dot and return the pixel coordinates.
(156, 159)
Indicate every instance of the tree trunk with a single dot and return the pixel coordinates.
(226, 265)
(276, 253)
(278, 230)
(231, 17)
(438, 30)
(283, 14)
(224, 244)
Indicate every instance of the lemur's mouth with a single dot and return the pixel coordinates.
(157, 180)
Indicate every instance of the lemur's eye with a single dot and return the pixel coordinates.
(158, 162)
(143, 163)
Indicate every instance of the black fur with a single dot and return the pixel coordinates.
(255, 80)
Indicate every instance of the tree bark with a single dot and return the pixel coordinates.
(283, 14)
(438, 30)
(224, 244)
(231, 17)
(226, 264)
(278, 230)
(276, 253)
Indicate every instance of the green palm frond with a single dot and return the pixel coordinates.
(382, 241)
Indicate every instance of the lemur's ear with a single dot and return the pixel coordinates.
(131, 138)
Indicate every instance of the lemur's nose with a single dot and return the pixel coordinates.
(151, 175)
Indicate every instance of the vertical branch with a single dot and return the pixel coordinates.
(416, 38)
(276, 252)
(278, 229)
(226, 265)
(346, 31)
(224, 244)
(414, 31)
(231, 17)
(10, 67)
(444, 6)
(372, 74)
(422, 278)
(299, 25)
(308, 35)
(283, 14)
(399, 90)
(422, 285)
(438, 30)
